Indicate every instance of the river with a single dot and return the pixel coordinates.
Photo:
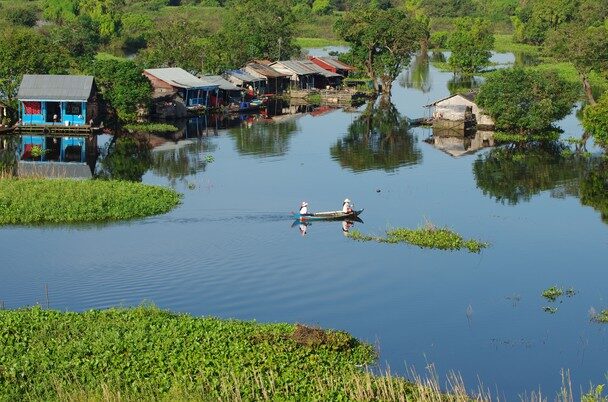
(230, 250)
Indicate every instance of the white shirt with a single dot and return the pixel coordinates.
(346, 208)
(303, 210)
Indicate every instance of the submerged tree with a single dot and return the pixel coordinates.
(378, 139)
(382, 41)
(471, 46)
(525, 101)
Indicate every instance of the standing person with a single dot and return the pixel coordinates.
(347, 206)
(304, 208)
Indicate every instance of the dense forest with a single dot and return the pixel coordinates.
(116, 39)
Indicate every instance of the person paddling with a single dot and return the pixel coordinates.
(347, 207)
(304, 208)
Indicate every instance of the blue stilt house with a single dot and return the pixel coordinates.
(67, 100)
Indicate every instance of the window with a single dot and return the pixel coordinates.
(73, 108)
(32, 107)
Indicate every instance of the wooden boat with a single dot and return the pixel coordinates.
(329, 215)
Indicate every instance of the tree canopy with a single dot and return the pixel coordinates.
(526, 101)
(595, 121)
(471, 45)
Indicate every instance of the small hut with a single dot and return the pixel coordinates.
(324, 78)
(460, 112)
(227, 91)
(301, 76)
(66, 100)
(276, 82)
(240, 78)
(176, 89)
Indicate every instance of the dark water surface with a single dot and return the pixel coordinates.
(230, 249)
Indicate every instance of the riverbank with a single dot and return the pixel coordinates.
(40, 201)
(150, 354)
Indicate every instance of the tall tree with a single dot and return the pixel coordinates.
(471, 46)
(595, 121)
(382, 41)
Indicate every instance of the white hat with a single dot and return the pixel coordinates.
(304, 204)
(346, 200)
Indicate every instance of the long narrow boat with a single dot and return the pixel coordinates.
(329, 215)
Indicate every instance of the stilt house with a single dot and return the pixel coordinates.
(276, 82)
(333, 65)
(457, 111)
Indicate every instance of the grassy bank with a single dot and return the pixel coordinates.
(503, 43)
(151, 128)
(146, 353)
(38, 201)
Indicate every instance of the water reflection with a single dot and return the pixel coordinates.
(515, 174)
(176, 161)
(460, 145)
(126, 158)
(460, 84)
(344, 225)
(417, 76)
(8, 154)
(377, 139)
(260, 137)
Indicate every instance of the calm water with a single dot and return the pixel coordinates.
(230, 249)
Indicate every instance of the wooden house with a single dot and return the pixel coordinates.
(65, 100)
(242, 79)
(169, 83)
(333, 65)
(300, 75)
(460, 112)
(324, 78)
(276, 82)
(227, 91)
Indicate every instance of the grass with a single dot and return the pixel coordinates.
(318, 42)
(40, 201)
(151, 128)
(428, 236)
(503, 43)
(553, 293)
(601, 317)
(314, 99)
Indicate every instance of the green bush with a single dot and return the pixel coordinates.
(39, 201)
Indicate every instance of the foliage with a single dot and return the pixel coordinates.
(37, 151)
(21, 14)
(428, 236)
(439, 40)
(471, 46)
(317, 42)
(248, 33)
(593, 189)
(448, 8)
(382, 41)
(177, 164)
(123, 85)
(127, 158)
(151, 128)
(504, 43)
(595, 121)
(526, 101)
(262, 139)
(550, 309)
(535, 18)
(595, 395)
(25, 51)
(152, 354)
(378, 139)
(78, 36)
(322, 7)
(36, 201)
(601, 317)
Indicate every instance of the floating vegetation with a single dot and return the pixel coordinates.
(40, 201)
(151, 128)
(553, 293)
(601, 317)
(550, 309)
(209, 158)
(428, 236)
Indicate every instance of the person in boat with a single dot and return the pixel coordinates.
(347, 206)
(303, 208)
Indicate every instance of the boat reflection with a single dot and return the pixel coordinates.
(345, 224)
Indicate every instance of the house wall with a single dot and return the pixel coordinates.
(454, 108)
(63, 116)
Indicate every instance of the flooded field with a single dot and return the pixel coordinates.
(230, 250)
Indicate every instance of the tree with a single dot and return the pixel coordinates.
(78, 36)
(25, 15)
(25, 51)
(471, 46)
(382, 41)
(105, 13)
(322, 7)
(585, 47)
(251, 29)
(535, 18)
(526, 101)
(60, 11)
(448, 8)
(123, 87)
(595, 121)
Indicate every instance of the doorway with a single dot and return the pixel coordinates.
(53, 112)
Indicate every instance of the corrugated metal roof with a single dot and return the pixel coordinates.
(319, 70)
(218, 80)
(470, 96)
(55, 87)
(335, 63)
(244, 76)
(266, 71)
(296, 66)
(178, 77)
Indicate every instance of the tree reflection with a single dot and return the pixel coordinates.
(593, 189)
(184, 159)
(418, 75)
(263, 138)
(126, 158)
(8, 154)
(515, 174)
(460, 83)
(378, 139)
